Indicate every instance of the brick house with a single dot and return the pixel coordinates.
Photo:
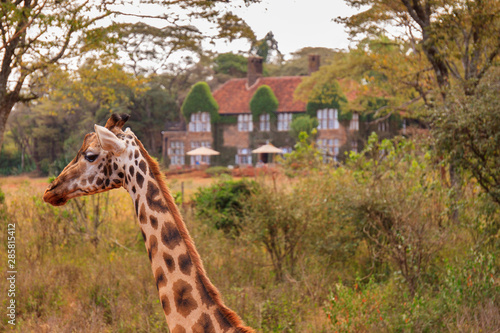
(236, 135)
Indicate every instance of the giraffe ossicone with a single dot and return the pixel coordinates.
(111, 158)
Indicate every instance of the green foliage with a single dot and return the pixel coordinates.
(200, 99)
(231, 64)
(221, 204)
(266, 47)
(304, 158)
(328, 96)
(466, 130)
(279, 316)
(405, 224)
(355, 309)
(298, 65)
(262, 102)
(304, 123)
(230, 120)
(217, 171)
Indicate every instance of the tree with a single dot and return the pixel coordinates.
(265, 48)
(263, 102)
(39, 34)
(305, 124)
(200, 99)
(230, 64)
(328, 95)
(52, 126)
(459, 39)
(149, 110)
(298, 65)
(466, 130)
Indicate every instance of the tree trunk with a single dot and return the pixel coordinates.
(4, 115)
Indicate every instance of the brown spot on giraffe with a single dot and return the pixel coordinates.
(161, 279)
(170, 235)
(183, 298)
(154, 222)
(185, 263)
(142, 215)
(153, 247)
(204, 325)
(169, 262)
(179, 329)
(165, 304)
(136, 204)
(154, 199)
(142, 166)
(139, 179)
(204, 294)
(222, 320)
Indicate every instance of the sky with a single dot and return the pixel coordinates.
(295, 24)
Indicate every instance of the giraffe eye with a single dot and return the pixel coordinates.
(91, 157)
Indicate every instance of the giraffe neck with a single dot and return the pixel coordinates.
(190, 302)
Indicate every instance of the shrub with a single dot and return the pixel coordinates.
(399, 204)
(217, 171)
(221, 204)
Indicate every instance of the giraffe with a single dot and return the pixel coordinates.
(110, 158)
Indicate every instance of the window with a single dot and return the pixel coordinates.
(176, 153)
(327, 119)
(354, 125)
(383, 126)
(197, 159)
(265, 122)
(284, 120)
(244, 156)
(198, 144)
(329, 147)
(200, 122)
(354, 146)
(245, 123)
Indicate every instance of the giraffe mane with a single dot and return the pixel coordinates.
(230, 315)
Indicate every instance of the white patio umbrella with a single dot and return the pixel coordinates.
(267, 149)
(202, 151)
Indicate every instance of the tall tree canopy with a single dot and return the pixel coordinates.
(38, 34)
(459, 39)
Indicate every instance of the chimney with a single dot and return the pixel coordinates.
(254, 71)
(313, 63)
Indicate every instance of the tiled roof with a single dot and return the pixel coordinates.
(234, 96)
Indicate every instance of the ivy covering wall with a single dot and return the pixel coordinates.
(329, 96)
(264, 101)
(200, 99)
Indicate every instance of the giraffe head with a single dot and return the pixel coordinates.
(99, 165)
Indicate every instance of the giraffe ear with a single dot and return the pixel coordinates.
(108, 140)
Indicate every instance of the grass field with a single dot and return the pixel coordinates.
(83, 267)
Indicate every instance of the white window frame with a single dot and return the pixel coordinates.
(176, 152)
(327, 119)
(200, 122)
(244, 157)
(284, 121)
(245, 122)
(265, 122)
(354, 124)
